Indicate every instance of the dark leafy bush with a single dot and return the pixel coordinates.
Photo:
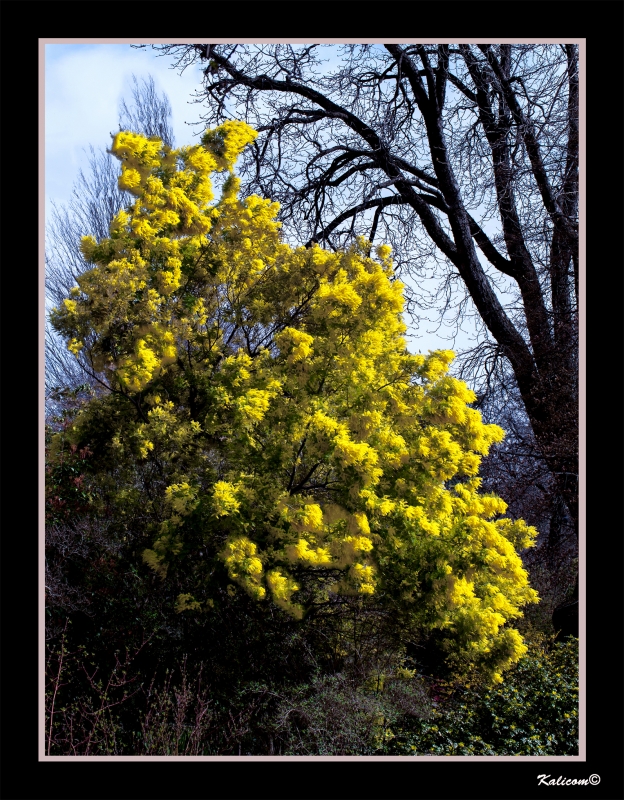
(534, 712)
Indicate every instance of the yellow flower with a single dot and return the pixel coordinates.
(224, 496)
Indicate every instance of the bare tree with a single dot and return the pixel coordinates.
(465, 159)
(517, 471)
(148, 113)
(94, 201)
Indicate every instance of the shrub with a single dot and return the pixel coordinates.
(333, 715)
(533, 713)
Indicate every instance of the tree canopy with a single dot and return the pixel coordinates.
(264, 424)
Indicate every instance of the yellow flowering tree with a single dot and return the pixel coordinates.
(266, 423)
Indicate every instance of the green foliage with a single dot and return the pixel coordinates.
(66, 493)
(534, 713)
(188, 710)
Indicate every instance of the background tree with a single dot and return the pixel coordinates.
(95, 200)
(517, 471)
(465, 159)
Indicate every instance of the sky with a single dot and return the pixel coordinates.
(84, 84)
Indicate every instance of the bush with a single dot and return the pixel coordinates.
(533, 713)
(333, 715)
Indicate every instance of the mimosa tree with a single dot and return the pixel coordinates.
(264, 423)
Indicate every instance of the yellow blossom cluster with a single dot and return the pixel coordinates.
(244, 566)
